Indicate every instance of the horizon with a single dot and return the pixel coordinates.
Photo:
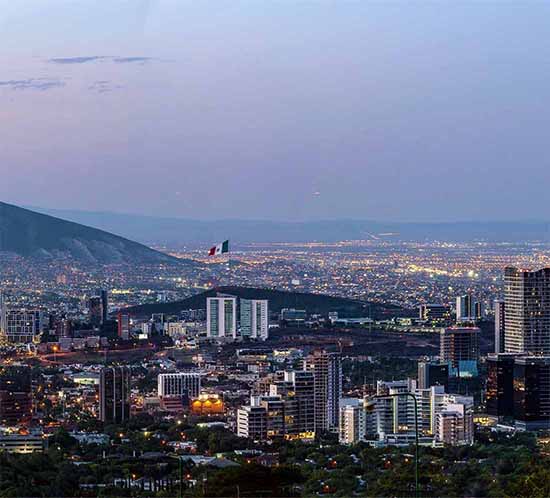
(47, 210)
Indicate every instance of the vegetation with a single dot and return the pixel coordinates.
(313, 303)
(497, 465)
(383, 368)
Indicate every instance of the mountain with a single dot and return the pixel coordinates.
(313, 303)
(32, 234)
(180, 231)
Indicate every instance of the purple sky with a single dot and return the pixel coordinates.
(283, 110)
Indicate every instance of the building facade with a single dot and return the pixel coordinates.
(500, 325)
(254, 318)
(459, 347)
(114, 394)
(327, 371)
(433, 374)
(527, 308)
(15, 395)
(179, 384)
(20, 326)
(221, 317)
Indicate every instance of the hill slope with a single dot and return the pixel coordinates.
(32, 234)
(313, 303)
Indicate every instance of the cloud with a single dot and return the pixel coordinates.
(40, 84)
(126, 60)
(95, 58)
(104, 86)
(76, 60)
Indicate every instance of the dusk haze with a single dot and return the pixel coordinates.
(274, 249)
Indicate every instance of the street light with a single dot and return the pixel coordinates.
(410, 395)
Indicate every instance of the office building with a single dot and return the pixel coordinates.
(434, 312)
(285, 408)
(252, 422)
(123, 325)
(527, 308)
(297, 390)
(499, 395)
(21, 326)
(500, 325)
(444, 418)
(327, 371)
(221, 317)
(104, 297)
(179, 384)
(465, 308)
(64, 328)
(254, 318)
(15, 395)
(459, 347)
(532, 392)
(293, 316)
(114, 394)
(433, 374)
(95, 311)
(23, 443)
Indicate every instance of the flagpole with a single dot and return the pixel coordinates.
(228, 264)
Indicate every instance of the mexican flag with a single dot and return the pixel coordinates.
(219, 249)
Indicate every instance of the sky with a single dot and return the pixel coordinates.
(278, 109)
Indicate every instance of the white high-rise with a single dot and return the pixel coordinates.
(353, 427)
(255, 318)
(221, 317)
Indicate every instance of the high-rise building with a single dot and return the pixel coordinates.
(527, 308)
(123, 323)
(284, 407)
(15, 395)
(500, 325)
(532, 392)
(433, 374)
(442, 417)
(254, 318)
(468, 309)
(327, 372)
(94, 310)
(114, 394)
(454, 423)
(252, 422)
(459, 347)
(221, 317)
(297, 390)
(98, 308)
(353, 426)
(179, 384)
(64, 328)
(500, 385)
(104, 296)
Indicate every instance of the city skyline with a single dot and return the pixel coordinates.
(409, 111)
